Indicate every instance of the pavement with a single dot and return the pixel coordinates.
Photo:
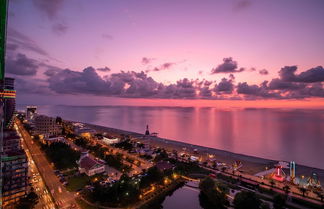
(61, 197)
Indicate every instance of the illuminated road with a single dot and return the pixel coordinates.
(63, 198)
(136, 169)
(45, 200)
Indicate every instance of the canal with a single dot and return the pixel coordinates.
(184, 197)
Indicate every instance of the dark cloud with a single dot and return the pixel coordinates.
(49, 7)
(164, 66)
(263, 72)
(146, 60)
(17, 39)
(278, 84)
(228, 66)
(107, 36)
(21, 65)
(244, 88)
(255, 91)
(184, 88)
(124, 84)
(225, 86)
(312, 75)
(60, 28)
(11, 47)
(104, 69)
(204, 89)
(242, 4)
(51, 71)
(72, 82)
(32, 86)
(287, 73)
(313, 90)
(132, 84)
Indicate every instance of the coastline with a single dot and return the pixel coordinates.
(251, 164)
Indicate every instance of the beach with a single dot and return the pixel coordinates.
(251, 164)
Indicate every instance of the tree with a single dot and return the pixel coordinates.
(62, 155)
(303, 190)
(286, 189)
(279, 201)
(58, 120)
(272, 183)
(207, 184)
(321, 196)
(224, 169)
(28, 202)
(245, 200)
(265, 205)
(212, 194)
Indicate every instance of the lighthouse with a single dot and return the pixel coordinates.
(147, 132)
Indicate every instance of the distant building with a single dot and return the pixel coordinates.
(31, 112)
(90, 166)
(110, 140)
(46, 126)
(52, 140)
(81, 130)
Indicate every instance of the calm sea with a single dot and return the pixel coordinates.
(268, 133)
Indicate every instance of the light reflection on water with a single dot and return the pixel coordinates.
(269, 133)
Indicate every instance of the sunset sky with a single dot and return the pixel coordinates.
(72, 50)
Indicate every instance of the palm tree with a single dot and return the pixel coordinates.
(320, 195)
(286, 189)
(272, 183)
(223, 169)
(303, 190)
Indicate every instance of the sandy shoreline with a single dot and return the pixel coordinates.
(251, 164)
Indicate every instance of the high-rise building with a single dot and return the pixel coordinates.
(14, 174)
(9, 101)
(14, 166)
(3, 33)
(31, 112)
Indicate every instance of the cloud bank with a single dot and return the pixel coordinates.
(133, 84)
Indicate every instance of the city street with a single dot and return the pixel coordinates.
(62, 198)
(45, 200)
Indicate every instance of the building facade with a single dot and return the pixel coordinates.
(46, 126)
(14, 166)
(14, 176)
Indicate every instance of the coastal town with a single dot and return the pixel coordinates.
(77, 165)
(161, 104)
